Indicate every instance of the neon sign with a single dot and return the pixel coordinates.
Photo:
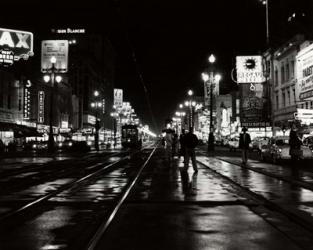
(14, 45)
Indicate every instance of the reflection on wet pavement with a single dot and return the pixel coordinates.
(275, 190)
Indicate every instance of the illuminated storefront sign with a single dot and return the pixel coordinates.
(254, 111)
(249, 69)
(57, 49)
(305, 73)
(41, 106)
(14, 45)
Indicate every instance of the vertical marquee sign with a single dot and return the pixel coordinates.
(26, 108)
(14, 45)
(253, 102)
(41, 106)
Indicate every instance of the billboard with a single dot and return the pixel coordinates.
(118, 98)
(249, 69)
(14, 45)
(57, 49)
(305, 73)
(254, 109)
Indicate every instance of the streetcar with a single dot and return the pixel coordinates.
(130, 136)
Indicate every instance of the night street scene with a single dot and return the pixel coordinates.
(156, 125)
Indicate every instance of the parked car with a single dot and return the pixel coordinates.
(278, 148)
(233, 144)
(258, 142)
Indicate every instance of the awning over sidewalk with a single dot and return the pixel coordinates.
(19, 130)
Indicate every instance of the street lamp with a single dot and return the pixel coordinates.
(210, 79)
(96, 105)
(54, 79)
(189, 104)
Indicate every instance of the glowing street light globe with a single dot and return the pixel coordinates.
(53, 59)
(190, 92)
(96, 93)
(46, 78)
(58, 79)
(205, 77)
(218, 77)
(212, 58)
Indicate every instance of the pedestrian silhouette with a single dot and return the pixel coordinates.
(190, 141)
(244, 142)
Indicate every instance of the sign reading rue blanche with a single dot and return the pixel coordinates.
(57, 49)
(249, 69)
(14, 45)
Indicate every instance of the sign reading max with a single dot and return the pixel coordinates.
(15, 44)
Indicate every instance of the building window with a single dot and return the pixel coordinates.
(282, 74)
(276, 77)
(9, 101)
(294, 95)
(287, 71)
(311, 105)
(284, 99)
(288, 98)
(277, 101)
(307, 105)
(292, 71)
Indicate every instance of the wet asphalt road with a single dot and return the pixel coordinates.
(168, 208)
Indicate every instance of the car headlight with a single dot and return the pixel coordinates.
(279, 150)
(89, 143)
(60, 144)
(34, 146)
(70, 144)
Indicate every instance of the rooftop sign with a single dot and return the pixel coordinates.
(14, 45)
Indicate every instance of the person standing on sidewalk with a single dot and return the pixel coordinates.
(191, 141)
(182, 144)
(295, 145)
(244, 142)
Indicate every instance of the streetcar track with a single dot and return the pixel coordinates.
(68, 186)
(40, 166)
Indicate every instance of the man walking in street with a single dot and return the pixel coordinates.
(191, 141)
(244, 142)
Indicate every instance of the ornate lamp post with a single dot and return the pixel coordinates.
(96, 105)
(54, 79)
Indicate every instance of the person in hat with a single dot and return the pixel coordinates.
(244, 141)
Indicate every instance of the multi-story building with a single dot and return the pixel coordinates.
(286, 83)
(284, 88)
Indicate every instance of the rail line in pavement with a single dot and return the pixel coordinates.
(114, 210)
(16, 212)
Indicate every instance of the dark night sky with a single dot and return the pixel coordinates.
(171, 40)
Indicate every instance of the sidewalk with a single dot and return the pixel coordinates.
(174, 210)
